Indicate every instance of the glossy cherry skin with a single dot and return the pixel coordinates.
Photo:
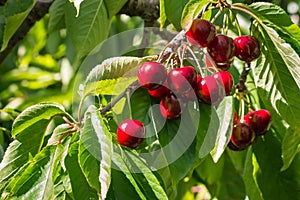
(131, 133)
(233, 147)
(201, 33)
(170, 107)
(226, 80)
(242, 135)
(151, 75)
(221, 66)
(221, 49)
(208, 90)
(247, 48)
(159, 92)
(182, 80)
(259, 120)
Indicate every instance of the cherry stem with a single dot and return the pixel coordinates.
(196, 60)
(131, 87)
(172, 46)
(241, 86)
(202, 11)
(64, 135)
(128, 101)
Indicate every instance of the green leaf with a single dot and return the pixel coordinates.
(231, 182)
(104, 78)
(173, 10)
(145, 182)
(190, 12)
(177, 145)
(114, 6)
(29, 129)
(56, 15)
(37, 180)
(95, 152)
(276, 76)
(92, 25)
(15, 12)
(225, 115)
(80, 187)
(266, 162)
(207, 132)
(36, 117)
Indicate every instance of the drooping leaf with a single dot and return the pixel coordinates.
(190, 11)
(207, 130)
(225, 115)
(29, 129)
(177, 145)
(145, 182)
(15, 12)
(276, 76)
(80, 187)
(95, 152)
(112, 76)
(36, 117)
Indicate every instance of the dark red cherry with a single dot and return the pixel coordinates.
(151, 75)
(233, 147)
(259, 120)
(242, 135)
(131, 133)
(247, 48)
(208, 90)
(170, 107)
(221, 66)
(221, 49)
(159, 92)
(226, 80)
(201, 33)
(182, 80)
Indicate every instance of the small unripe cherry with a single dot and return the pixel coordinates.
(247, 48)
(201, 33)
(182, 80)
(259, 120)
(131, 133)
(151, 75)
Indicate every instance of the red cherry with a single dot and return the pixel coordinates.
(208, 90)
(151, 75)
(131, 133)
(221, 66)
(247, 48)
(226, 80)
(183, 79)
(242, 135)
(201, 33)
(170, 107)
(233, 147)
(159, 92)
(259, 120)
(221, 49)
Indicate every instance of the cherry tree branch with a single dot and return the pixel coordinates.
(241, 86)
(129, 89)
(39, 11)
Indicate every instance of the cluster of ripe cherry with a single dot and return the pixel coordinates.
(179, 85)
